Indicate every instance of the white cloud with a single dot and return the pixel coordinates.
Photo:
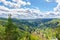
(18, 3)
(48, 0)
(56, 12)
(57, 8)
(17, 11)
(23, 13)
(58, 1)
(26, 13)
(2, 8)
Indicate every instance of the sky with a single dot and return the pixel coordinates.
(30, 9)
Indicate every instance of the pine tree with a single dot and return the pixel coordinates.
(11, 33)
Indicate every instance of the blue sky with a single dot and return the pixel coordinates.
(43, 5)
(30, 8)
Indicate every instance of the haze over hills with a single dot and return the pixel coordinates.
(41, 23)
(30, 15)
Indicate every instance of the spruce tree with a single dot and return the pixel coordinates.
(11, 33)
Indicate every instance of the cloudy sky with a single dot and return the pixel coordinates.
(30, 9)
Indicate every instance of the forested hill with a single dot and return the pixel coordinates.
(29, 29)
(41, 23)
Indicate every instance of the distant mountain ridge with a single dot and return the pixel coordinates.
(41, 23)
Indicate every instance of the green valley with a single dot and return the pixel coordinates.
(29, 29)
